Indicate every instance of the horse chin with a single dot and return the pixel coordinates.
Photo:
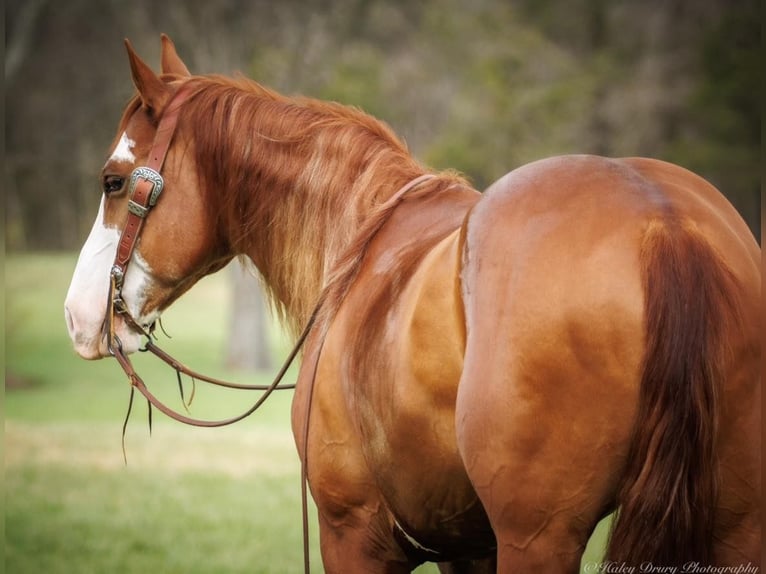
(89, 352)
(130, 340)
(96, 348)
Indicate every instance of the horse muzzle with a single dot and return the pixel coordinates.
(89, 338)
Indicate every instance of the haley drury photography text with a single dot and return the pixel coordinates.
(651, 568)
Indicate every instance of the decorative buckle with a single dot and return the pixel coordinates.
(152, 177)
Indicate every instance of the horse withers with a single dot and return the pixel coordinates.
(488, 375)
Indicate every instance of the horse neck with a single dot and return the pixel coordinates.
(316, 173)
(315, 222)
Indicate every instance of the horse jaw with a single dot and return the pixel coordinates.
(86, 300)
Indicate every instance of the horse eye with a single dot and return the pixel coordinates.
(112, 183)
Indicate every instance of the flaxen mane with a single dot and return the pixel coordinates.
(300, 185)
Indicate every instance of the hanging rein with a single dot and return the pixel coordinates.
(144, 188)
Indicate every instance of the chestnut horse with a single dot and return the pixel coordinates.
(490, 374)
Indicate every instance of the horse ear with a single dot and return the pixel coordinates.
(171, 62)
(154, 93)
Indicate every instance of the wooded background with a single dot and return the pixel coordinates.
(482, 86)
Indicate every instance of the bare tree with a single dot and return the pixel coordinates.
(247, 340)
(21, 35)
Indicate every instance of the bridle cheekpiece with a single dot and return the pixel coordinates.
(144, 188)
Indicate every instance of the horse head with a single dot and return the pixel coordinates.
(176, 242)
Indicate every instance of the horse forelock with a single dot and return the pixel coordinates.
(291, 182)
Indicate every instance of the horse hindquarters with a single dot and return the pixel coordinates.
(546, 399)
(594, 370)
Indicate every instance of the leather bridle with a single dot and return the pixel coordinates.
(144, 189)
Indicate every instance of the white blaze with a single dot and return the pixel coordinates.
(124, 150)
(85, 304)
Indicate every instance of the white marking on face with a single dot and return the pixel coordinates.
(124, 150)
(85, 304)
(135, 290)
(90, 283)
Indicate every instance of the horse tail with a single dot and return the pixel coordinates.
(667, 498)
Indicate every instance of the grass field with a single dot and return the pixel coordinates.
(221, 501)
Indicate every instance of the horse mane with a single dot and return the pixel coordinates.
(298, 185)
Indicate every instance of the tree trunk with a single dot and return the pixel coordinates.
(248, 346)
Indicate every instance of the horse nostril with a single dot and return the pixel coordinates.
(69, 321)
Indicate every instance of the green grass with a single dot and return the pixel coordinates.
(189, 500)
